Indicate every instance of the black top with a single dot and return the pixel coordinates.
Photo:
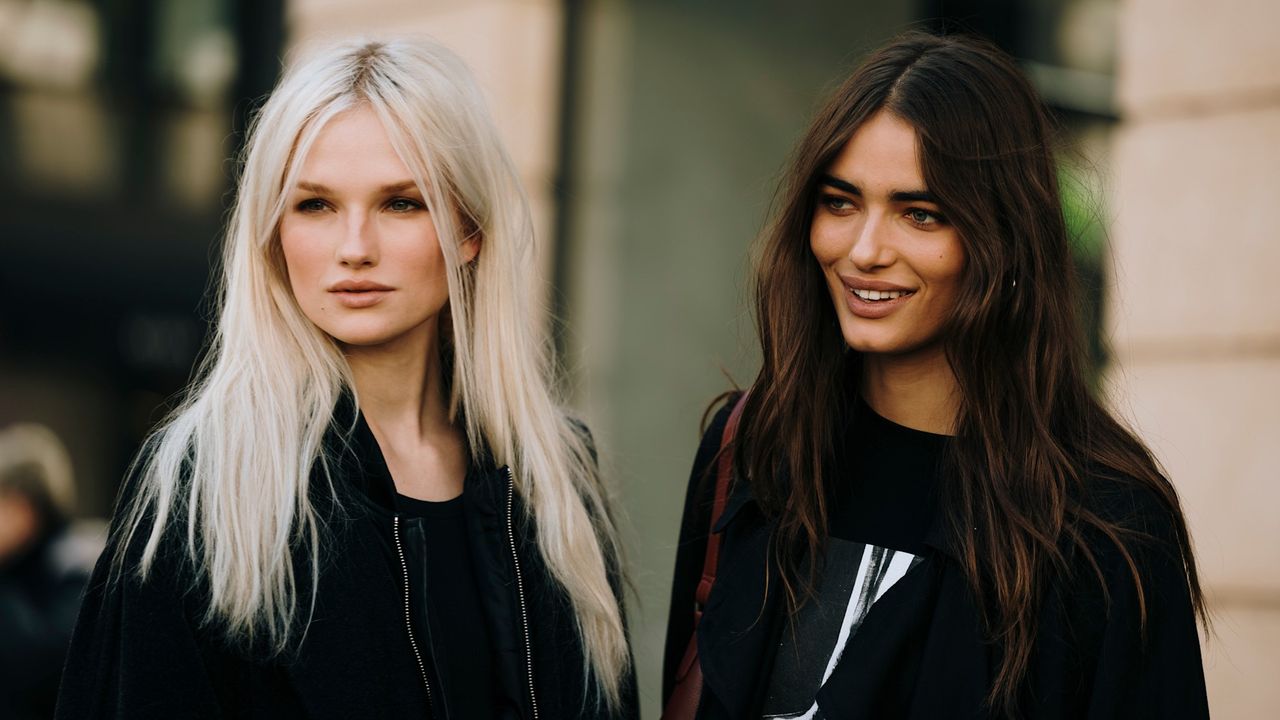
(463, 657)
(920, 650)
(141, 649)
(879, 523)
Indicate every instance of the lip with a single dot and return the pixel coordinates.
(359, 293)
(358, 286)
(872, 309)
(853, 282)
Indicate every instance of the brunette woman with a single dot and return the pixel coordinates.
(930, 514)
(370, 505)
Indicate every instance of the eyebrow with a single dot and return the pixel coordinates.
(390, 189)
(895, 196)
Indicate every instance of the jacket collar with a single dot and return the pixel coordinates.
(363, 467)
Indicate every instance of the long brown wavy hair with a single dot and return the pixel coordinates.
(1030, 437)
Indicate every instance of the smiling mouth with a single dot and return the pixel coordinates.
(880, 295)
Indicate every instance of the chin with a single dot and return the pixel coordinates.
(363, 336)
(869, 340)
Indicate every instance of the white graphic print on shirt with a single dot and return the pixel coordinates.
(855, 576)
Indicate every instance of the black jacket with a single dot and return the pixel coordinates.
(921, 652)
(141, 650)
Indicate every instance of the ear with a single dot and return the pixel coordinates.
(470, 248)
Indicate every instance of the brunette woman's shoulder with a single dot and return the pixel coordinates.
(1146, 508)
(1125, 614)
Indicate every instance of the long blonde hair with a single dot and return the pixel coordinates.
(234, 462)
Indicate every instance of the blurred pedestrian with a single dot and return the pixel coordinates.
(371, 504)
(920, 508)
(44, 564)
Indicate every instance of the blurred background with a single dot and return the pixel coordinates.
(651, 135)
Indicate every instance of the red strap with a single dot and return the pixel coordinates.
(687, 693)
(724, 474)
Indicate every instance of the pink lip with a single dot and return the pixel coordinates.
(872, 309)
(360, 293)
(853, 282)
(358, 286)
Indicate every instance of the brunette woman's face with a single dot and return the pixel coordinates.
(363, 258)
(891, 261)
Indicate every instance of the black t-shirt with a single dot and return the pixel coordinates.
(881, 512)
(460, 633)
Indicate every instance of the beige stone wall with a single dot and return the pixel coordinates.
(513, 47)
(1196, 315)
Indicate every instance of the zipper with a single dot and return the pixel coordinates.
(408, 613)
(524, 613)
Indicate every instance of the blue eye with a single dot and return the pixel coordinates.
(403, 205)
(311, 205)
(924, 218)
(836, 203)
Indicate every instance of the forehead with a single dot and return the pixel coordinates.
(352, 147)
(881, 157)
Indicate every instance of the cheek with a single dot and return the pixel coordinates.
(946, 267)
(425, 256)
(292, 247)
(824, 242)
(305, 261)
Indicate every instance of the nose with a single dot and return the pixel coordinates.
(359, 245)
(871, 247)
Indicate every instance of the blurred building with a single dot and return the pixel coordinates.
(1197, 157)
(650, 134)
(117, 124)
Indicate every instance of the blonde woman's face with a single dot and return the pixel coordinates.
(363, 258)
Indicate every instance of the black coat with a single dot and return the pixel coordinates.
(920, 652)
(141, 650)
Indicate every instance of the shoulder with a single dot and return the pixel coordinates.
(1145, 510)
(1133, 539)
(139, 506)
(1125, 614)
(714, 422)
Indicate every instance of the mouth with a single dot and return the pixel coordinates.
(873, 299)
(879, 295)
(357, 294)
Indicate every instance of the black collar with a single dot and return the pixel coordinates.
(741, 496)
(363, 466)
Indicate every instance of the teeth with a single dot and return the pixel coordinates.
(874, 295)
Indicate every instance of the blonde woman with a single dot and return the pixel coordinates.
(370, 505)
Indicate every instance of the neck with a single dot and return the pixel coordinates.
(918, 391)
(400, 385)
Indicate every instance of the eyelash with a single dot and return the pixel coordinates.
(316, 205)
(937, 218)
(839, 203)
(413, 204)
(311, 205)
(830, 202)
